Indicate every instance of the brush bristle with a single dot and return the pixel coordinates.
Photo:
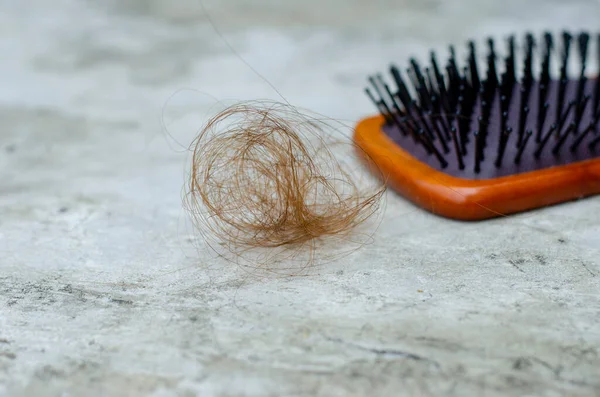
(485, 126)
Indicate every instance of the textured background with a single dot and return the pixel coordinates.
(105, 290)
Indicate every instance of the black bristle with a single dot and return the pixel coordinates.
(425, 138)
(452, 60)
(583, 41)
(523, 113)
(596, 105)
(543, 84)
(482, 131)
(581, 106)
(510, 63)
(492, 74)
(582, 136)
(526, 85)
(542, 112)
(503, 121)
(567, 38)
(433, 90)
(436, 82)
(439, 156)
(467, 104)
(462, 134)
(432, 84)
(441, 85)
(522, 147)
(562, 139)
(398, 111)
(397, 117)
(545, 140)
(547, 52)
(403, 93)
(453, 87)
(528, 65)
(542, 107)
(459, 156)
(581, 100)
(592, 144)
(381, 106)
(563, 80)
(564, 117)
(477, 167)
(484, 122)
(502, 146)
(497, 118)
(425, 123)
(440, 136)
(420, 84)
(475, 82)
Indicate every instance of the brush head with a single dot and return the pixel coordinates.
(474, 125)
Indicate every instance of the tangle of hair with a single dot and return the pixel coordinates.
(266, 187)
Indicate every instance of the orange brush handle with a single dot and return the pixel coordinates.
(467, 199)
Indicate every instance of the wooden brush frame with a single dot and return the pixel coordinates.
(469, 199)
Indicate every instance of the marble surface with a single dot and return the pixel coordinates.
(106, 290)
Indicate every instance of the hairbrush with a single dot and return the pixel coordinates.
(473, 144)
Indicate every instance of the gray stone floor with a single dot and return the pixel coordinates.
(106, 290)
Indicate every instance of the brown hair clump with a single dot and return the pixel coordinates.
(266, 186)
